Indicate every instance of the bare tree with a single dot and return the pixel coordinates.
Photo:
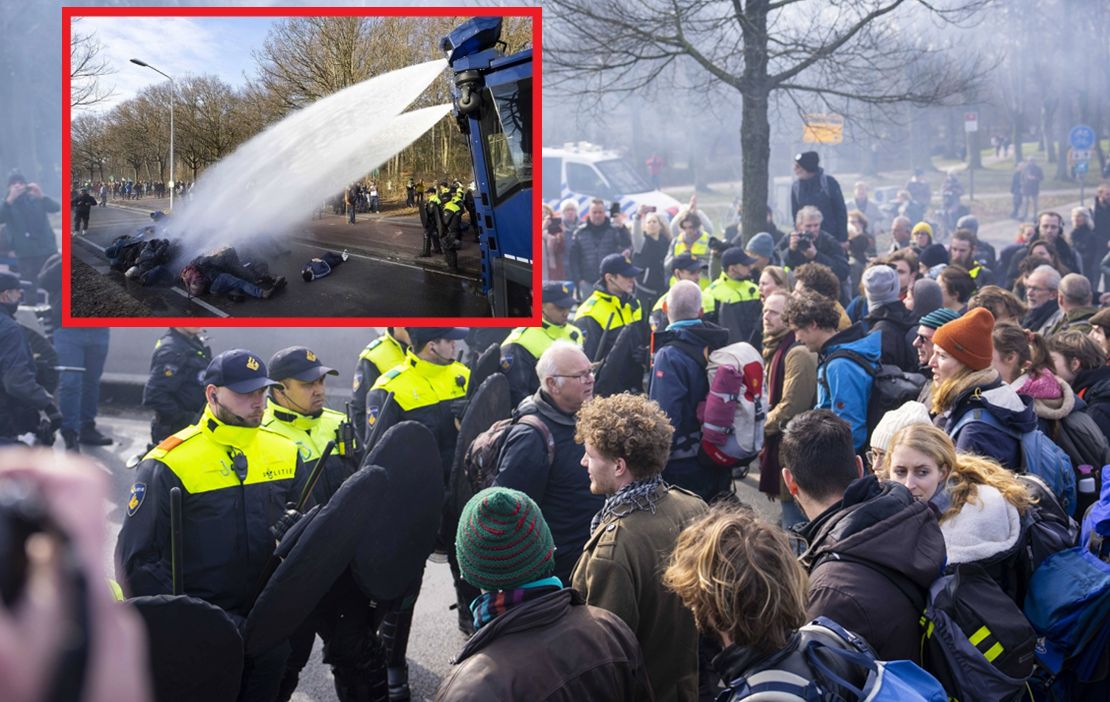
(811, 52)
(86, 69)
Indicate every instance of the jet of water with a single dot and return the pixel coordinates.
(280, 176)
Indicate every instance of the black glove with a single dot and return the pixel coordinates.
(285, 522)
(458, 407)
(54, 416)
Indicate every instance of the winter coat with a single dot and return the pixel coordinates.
(823, 192)
(984, 390)
(1101, 214)
(552, 648)
(561, 489)
(1093, 386)
(791, 381)
(1064, 419)
(588, 246)
(1075, 319)
(877, 529)
(829, 253)
(27, 227)
(1044, 318)
(1085, 244)
(649, 257)
(893, 322)
(843, 386)
(1031, 177)
(741, 661)
(620, 571)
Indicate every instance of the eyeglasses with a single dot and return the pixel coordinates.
(581, 377)
(922, 339)
(1037, 289)
(875, 457)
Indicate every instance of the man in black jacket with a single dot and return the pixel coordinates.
(174, 389)
(873, 550)
(595, 239)
(82, 206)
(22, 398)
(556, 481)
(813, 186)
(811, 243)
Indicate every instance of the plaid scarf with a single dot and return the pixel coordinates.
(490, 605)
(634, 497)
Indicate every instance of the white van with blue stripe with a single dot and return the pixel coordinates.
(583, 171)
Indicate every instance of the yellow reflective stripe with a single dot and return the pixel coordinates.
(982, 633)
(993, 652)
(117, 591)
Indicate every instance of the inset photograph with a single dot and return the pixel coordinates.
(299, 167)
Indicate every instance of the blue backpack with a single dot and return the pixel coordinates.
(1039, 456)
(894, 681)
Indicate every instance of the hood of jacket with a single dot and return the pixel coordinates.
(536, 614)
(870, 346)
(986, 526)
(999, 399)
(693, 338)
(881, 523)
(1048, 408)
(1094, 384)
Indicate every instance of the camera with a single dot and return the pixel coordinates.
(21, 515)
(805, 238)
(649, 208)
(717, 245)
(554, 226)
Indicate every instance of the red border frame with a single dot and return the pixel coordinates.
(535, 13)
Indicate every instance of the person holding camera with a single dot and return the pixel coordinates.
(809, 243)
(31, 237)
(22, 398)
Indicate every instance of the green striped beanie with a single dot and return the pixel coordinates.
(503, 541)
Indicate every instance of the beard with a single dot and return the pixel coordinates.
(229, 418)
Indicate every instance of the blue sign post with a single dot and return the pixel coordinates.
(1082, 138)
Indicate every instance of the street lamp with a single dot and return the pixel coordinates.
(173, 180)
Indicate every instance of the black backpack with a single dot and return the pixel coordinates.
(891, 386)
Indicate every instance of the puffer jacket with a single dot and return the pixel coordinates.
(844, 386)
(856, 546)
(1063, 418)
(554, 648)
(986, 391)
(589, 245)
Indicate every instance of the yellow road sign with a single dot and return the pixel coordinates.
(823, 129)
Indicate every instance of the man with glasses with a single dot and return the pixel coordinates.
(1040, 294)
(235, 479)
(541, 458)
(923, 343)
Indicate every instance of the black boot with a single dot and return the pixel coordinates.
(69, 436)
(91, 436)
(395, 635)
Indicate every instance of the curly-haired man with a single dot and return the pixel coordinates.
(627, 440)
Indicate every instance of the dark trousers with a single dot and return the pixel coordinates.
(81, 222)
(262, 674)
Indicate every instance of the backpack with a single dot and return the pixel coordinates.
(480, 464)
(193, 277)
(976, 641)
(1039, 456)
(895, 681)
(891, 387)
(735, 408)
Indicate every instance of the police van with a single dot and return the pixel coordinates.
(584, 171)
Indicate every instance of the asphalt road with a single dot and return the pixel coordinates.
(377, 281)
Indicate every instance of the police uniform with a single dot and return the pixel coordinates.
(603, 310)
(686, 262)
(981, 275)
(380, 355)
(345, 619)
(525, 345)
(431, 217)
(235, 482)
(22, 398)
(174, 389)
(741, 295)
(452, 229)
(698, 250)
(431, 394)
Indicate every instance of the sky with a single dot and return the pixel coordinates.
(178, 46)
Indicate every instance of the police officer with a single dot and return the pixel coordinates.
(452, 228)
(524, 346)
(428, 387)
(22, 398)
(472, 212)
(235, 478)
(380, 355)
(686, 267)
(734, 289)
(431, 217)
(345, 618)
(610, 306)
(175, 390)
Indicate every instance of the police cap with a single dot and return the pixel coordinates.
(238, 370)
(299, 363)
(559, 293)
(686, 262)
(736, 255)
(422, 335)
(616, 264)
(9, 281)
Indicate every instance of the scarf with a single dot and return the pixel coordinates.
(634, 497)
(490, 605)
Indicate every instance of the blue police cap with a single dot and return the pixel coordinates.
(8, 281)
(559, 292)
(238, 370)
(299, 363)
(735, 255)
(616, 264)
(686, 262)
(422, 335)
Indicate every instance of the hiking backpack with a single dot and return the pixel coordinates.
(480, 464)
(1039, 456)
(891, 387)
(976, 641)
(894, 681)
(735, 409)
